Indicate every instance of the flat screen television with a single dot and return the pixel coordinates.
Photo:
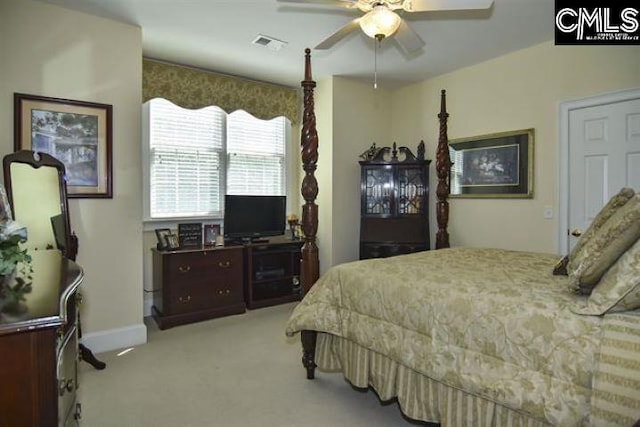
(253, 217)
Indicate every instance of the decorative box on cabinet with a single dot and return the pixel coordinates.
(394, 216)
(199, 284)
(272, 272)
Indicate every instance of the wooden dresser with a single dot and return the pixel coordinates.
(197, 284)
(39, 347)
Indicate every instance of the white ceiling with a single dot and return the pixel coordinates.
(217, 35)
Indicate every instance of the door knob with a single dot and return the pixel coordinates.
(576, 232)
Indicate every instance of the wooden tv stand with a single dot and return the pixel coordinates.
(272, 272)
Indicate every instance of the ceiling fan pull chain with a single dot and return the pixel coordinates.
(375, 63)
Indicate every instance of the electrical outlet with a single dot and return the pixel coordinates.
(548, 212)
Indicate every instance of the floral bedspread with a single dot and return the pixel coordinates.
(491, 322)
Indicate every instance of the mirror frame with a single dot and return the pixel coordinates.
(37, 160)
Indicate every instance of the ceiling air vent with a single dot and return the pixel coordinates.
(270, 42)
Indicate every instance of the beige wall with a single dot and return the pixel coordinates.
(50, 51)
(323, 103)
(515, 91)
(360, 117)
(350, 117)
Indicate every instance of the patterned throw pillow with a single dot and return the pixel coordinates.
(619, 288)
(612, 206)
(560, 269)
(605, 246)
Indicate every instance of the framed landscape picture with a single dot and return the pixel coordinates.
(495, 165)
(75, 132)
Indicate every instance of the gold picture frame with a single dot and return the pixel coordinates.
(498, 165)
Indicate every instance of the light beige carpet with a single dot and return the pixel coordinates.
(233, 371)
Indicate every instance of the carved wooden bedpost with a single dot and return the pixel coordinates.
(443, 170)
(309, 145)
(310, 266)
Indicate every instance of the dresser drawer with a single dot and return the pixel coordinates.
(221, 265)
(203, 295)
(67, 374)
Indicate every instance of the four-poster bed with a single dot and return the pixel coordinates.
(467, 336)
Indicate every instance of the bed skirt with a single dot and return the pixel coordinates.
(420, 397)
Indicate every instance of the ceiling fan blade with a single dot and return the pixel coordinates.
(338, 35)
(340, 3)
(407, 38)
(440, 5)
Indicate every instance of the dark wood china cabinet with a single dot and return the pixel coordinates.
(394, 215)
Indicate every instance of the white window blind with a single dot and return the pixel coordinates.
(187, 151)
(256, 155)
(198, 156)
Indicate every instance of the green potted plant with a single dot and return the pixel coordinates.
(15, 262)
(16, 271)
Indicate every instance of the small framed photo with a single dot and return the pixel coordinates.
(211, 233)
(161, 236)
(190, 234)
(172, 241)
(77, 133)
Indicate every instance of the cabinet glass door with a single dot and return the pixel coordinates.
(411, 191)
(378, 191)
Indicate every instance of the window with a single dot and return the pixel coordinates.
(256, 155)
(195, 157)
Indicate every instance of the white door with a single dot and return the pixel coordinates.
(603, 150)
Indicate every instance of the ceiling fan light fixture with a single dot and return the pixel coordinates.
(380, 22)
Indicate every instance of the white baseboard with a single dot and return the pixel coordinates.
(113, 339)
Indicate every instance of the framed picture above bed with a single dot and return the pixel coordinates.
(497, 165)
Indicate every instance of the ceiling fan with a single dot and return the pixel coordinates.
(380, 19)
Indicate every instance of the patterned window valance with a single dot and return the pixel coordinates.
(192, 88)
